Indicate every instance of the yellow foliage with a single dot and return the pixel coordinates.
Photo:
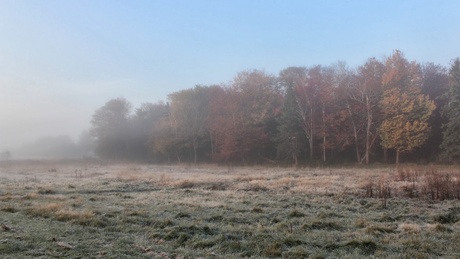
(406, 113)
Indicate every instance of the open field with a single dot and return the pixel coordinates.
(95, 210)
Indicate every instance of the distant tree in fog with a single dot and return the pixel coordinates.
(49, 147)
(141, 127)
(87, 144)
(110, 128)
(5, 155)
(116, 133)
(184, 132)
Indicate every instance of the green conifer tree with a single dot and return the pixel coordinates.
(451, 134)
(289, 130)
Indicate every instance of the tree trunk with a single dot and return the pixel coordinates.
(212, 145)
(311, 135)
(385, 155)
(324, 134)
(324, 148)
(355, 134)
(194, 154)
(294, 150)
(368, 129)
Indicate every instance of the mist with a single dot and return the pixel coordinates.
(48, 148)
(24, 120)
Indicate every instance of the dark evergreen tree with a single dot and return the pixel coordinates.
(289, 130)
(435, 84)
(451, 135)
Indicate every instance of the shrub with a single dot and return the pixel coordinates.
(441, 186)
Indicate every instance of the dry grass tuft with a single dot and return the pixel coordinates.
(409, 227)
(60, 212)
(272, 250)
(439, 228)
(184, 184)
(45, 210)
(381, 229)
(165, 179)
(72, 215)
(31, 196)
(255, 187)
(6, 197)
(361, 222)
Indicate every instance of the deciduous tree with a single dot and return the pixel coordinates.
(242, 113)
(405, 125)
(363, 93)
(165, 140)
(308, 93)
(142, 123)
(189, 110)
(405, 109)
(110, 128)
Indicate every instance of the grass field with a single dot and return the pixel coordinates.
(94, 210)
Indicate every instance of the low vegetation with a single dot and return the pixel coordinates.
(92, 210)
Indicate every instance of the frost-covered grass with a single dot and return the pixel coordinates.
(77, 210)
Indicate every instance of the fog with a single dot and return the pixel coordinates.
(27, 113)
(49, 148)
(36, 113)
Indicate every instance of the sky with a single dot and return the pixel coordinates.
(61, 60)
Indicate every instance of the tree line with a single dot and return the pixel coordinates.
(387, 110)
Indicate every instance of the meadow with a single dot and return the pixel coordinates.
(92, 209)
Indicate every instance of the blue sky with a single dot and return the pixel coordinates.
(60, 60)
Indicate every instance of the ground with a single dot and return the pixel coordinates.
(91, 209)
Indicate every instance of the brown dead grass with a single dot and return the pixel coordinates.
(410, 227)
(79, 216)
(45, 210)
(60, 212)
(429, 182)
